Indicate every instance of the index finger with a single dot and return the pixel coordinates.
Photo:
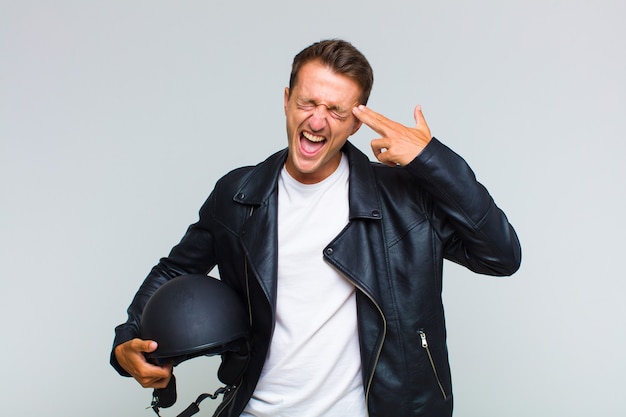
(376, 121)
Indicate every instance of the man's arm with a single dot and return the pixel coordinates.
(475, 232)
(193, 255)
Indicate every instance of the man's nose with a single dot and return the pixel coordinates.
(318, 119)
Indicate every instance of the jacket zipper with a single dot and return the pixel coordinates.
(222, 406)
(225, 403)
(380, 346)
(245, 266)
(432, 362)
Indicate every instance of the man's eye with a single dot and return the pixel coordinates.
(339, 115)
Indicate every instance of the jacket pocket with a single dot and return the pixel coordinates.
(425, 346)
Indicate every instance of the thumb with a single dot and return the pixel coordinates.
(418, 115)
(148, 346)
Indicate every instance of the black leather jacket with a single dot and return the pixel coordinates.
(403, 223)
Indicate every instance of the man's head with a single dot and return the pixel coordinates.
(341, 57)
(328, 80)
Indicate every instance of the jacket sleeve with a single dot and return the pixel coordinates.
(193, 255)
(475, 232)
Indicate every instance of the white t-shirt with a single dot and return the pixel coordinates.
(314, 365)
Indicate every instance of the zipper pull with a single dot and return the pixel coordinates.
(423, 337)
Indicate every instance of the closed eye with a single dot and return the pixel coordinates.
(339, 115)
(306, 107)
(334, 111)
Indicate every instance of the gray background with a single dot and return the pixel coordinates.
(117, 117)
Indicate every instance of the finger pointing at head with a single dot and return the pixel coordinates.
(376, 121)
(398, 144)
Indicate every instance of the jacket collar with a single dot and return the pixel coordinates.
(363, 198)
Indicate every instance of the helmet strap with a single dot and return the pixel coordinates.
(194, 407)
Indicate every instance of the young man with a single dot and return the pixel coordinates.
(338, 259)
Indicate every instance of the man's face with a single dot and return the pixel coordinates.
(319, 121)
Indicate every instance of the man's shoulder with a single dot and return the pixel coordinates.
(272, 162)
(253, 176)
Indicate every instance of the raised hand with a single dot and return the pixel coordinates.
(398, 144)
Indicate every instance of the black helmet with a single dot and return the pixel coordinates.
(196, 315)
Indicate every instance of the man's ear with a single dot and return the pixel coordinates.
(357, 126)
(286, 98)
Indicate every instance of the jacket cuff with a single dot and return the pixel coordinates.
(122, 334)
(431, 149)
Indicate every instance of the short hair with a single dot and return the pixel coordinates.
(341, 57)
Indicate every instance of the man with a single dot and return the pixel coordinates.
(338, 259)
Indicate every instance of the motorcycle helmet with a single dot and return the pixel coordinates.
(191, 316)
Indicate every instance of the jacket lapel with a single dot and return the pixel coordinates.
(259, 234)
(363, 264)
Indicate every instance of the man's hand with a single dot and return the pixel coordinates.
(130, 356)
(399, 144)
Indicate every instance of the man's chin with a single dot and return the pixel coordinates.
(306, 172)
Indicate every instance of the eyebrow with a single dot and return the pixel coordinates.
(334, 107)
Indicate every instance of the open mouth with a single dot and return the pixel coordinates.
(311, 143)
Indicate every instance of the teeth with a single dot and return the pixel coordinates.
(312, 138)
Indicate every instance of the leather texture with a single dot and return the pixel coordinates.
(404, 221)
